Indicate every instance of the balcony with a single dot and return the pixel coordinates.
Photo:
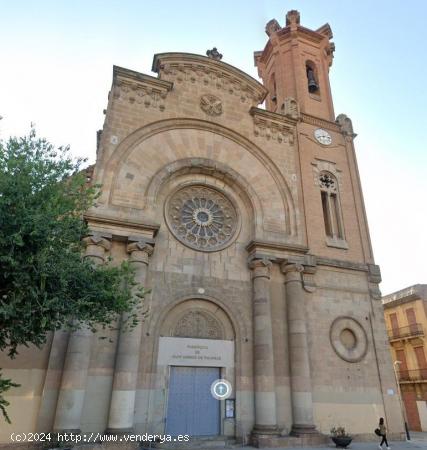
(411, 376)
(411, 331)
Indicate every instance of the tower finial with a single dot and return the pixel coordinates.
(292, 17)
(272, 26)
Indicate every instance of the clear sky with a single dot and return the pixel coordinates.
(56, 69)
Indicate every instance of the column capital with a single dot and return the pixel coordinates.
(260, 268)
(288, 267)
(96, 246)
(98, 239)
(301, 269)
(140, 251)
(140, 246)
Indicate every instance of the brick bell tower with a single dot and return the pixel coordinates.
(295, 63)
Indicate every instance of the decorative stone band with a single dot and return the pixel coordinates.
(197, 69)
(96, 246)
(139, 89)
(261, 268)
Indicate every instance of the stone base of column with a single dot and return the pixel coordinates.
(264, 435)
(266, 429)
(298, 430)
(277, 441)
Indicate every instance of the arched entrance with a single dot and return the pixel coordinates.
(196, 348)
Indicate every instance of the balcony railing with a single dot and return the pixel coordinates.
(413, 375)
(415, 329)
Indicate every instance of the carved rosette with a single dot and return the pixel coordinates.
(211, 105)
(201, 218)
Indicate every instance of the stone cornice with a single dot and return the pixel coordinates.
(318, 122)
(122, 229)
(324, 33)
(409, 294)
(273, 126)
(229, 77)
(274, 251)
(342, 264)
(139, 89)
(279, 119)
(141, 79)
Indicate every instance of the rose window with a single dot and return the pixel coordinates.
(201, 217)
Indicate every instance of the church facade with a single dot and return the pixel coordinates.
(248, 226)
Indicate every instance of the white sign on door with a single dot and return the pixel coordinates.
(195, 352)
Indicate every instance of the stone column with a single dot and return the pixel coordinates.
(122, 407)
(301, 391)
(73, 383)
(265, 395)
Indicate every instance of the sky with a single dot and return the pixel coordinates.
(56, 61)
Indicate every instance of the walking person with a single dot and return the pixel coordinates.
(383, 434)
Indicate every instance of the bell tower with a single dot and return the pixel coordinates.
(295, 63)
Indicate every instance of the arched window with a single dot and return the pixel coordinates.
(312, 79)
(331, 206)
(273, 90)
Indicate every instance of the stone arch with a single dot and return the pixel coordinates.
(218, 323)
(212, 169)
(198, 323)
(109, 176)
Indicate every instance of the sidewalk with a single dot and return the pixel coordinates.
(418, 441)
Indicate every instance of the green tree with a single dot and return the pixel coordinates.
(45, 284)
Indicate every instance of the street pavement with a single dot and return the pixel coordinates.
(418, 441)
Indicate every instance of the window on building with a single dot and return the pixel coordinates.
(331, 206)
(412, 320)
(421, 362)
(394, 325)
(403, 367)
(312, 80)
(273, 88)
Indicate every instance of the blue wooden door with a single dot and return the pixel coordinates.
(191, 408)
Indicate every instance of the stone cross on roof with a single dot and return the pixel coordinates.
(214, 54)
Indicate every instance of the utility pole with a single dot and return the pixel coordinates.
(396, 363)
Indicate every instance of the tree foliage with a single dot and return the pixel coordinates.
(45, 284)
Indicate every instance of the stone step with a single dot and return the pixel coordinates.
(210, 443)
(205, 443)
(305, 440)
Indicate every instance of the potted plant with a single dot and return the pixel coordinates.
(340, 437)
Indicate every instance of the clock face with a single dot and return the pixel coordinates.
(322, 136)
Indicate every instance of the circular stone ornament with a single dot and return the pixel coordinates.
(202, 218)
(348, 339)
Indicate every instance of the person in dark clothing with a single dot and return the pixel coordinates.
(383, 434)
